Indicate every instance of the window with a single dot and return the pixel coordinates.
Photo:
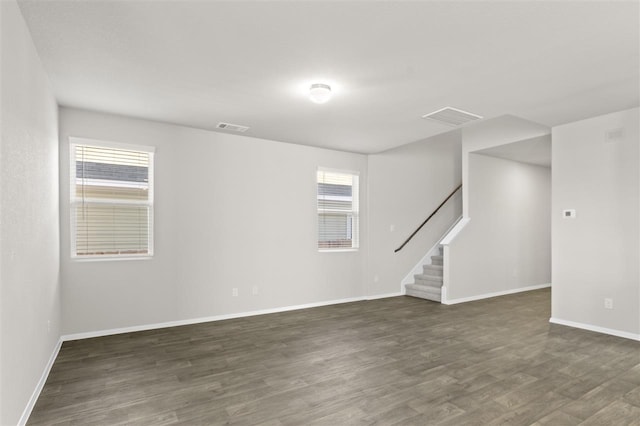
(338, 204)
(111, 200)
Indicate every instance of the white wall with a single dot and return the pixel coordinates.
(405, 185)
(230, 211)
(507, 243)
(596, 255)
(499, 131)
(459, 255)
(29, 254)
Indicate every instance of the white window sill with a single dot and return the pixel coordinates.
(108, 258)
(337, 250)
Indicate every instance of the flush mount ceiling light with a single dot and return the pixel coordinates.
(320, 93)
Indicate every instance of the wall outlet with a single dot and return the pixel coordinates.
(234, 292)
(376, 278)
(254, 290)
(48, 326)
(608, 303)
(392, 228)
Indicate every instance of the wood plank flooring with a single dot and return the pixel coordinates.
(396, 361)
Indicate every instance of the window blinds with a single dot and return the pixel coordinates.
(338, 210)
(111, 201)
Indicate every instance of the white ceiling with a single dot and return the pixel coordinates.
(196, 63)
(536, 151)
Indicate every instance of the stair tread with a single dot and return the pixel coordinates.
(423, 287)
(428, 277)
(423, 292)
(431, 274)
(428, 284)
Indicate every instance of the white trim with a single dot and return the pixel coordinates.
(108, 258)
(74, 201)
(426, 259)
(446, 260)
(597, 329)
(453, 233)
(109, 332)
(446, 274)
(338, 250)
(383, 296)
(87, 335)
(339, 171)
(494, 294)
(43, 379)
(73, 140)
(353, 213)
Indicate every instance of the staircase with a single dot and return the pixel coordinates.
(428, 284)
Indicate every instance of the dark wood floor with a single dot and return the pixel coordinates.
(398, 361)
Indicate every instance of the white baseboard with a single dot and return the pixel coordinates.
(87, 335)
(384, 296)
(43, 379)
(109, 332)
(597, 329)
(495, 294)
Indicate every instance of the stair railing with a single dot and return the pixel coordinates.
(427, 219)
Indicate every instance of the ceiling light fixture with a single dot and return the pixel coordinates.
(320, 93)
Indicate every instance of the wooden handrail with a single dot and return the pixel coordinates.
(427, 219)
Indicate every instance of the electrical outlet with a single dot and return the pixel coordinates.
(254, 290)
(376, 278)
(608, 303)
(48, 326)
(234, 292)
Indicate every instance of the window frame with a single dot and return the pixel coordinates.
(355, 211)
(75, 201)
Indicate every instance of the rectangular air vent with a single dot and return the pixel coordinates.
(451, 116)
(614, 135)
(232, 127)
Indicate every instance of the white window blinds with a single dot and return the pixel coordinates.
(338, 210)
(111, 200)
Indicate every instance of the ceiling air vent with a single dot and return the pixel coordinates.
(232, 127)
(451, 116)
